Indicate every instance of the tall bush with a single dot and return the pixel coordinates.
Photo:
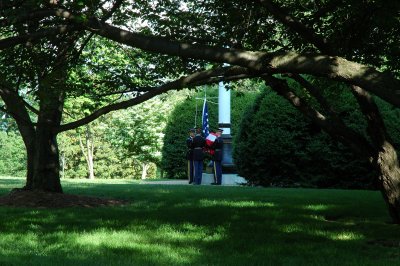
(277, 146)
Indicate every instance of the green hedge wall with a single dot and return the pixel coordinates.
(277, 146)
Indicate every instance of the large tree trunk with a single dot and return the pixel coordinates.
(46, 172)
(30, 156)
(385, 160)
(46, 161)
(389, 179)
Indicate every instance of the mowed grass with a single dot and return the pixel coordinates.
(201, 225)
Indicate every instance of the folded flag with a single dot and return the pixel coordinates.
(210, 139)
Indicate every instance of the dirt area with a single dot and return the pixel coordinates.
(41, 199)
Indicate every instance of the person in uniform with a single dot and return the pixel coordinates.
(217, 158)
(189, 155)
(198, 145)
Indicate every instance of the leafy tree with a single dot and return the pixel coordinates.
(139, 131)
(124, 145)
(108, 160)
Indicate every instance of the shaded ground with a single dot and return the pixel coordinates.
(40, 199)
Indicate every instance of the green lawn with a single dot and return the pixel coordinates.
(201, 225)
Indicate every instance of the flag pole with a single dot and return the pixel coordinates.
(195, 117)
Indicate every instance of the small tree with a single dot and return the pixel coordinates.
(139, 131)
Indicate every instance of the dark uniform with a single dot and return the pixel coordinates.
(217, 147)
(197, 145)
(189, 157)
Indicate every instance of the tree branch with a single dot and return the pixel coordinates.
(376, 127)
(337, 68)
(292, 23)
(3, 109)
(338, 131)
(15, 108)
(37, 15)
(29, 38)
(31, 108)
(330, 6)
(114, 8)
(199, 78)
(314, 92)
(382, 84)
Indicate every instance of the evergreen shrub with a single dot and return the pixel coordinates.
(277, 146)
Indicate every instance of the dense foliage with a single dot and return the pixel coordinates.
(277, 146)
(108, 161)
(126, 144)
(12, 155)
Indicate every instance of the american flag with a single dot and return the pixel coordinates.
(210, 137)
(206, 127)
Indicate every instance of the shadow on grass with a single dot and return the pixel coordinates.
(185, 225)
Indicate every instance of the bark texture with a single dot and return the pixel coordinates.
(46, 161)
(389, 179)
(384, 159)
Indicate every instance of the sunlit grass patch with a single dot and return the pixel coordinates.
(346, 236)
(26, 241)
(292, 228)
(235, 204)
(339, 235)
(168, 244)
(317, 207)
